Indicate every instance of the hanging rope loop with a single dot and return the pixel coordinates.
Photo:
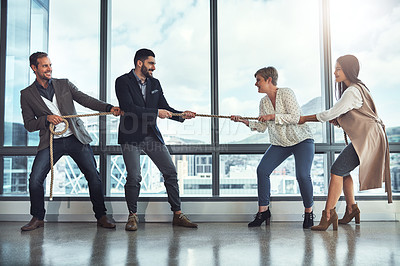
(52, 126)
(53, 132)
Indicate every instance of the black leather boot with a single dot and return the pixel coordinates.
(260, 217)
(308, 219)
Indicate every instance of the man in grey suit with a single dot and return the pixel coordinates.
(42, 103)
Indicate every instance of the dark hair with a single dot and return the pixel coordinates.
(351, 68)
(268, 72)
(35, 56)
(142, 55)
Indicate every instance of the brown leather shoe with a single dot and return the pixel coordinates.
(325, 223)
(348, 216)
(181, 220)
(131, 225)
(33, 224)
(105, 222)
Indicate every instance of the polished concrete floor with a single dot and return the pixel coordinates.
(371, 243)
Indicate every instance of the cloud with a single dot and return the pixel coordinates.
(233, 105)
(255, 34)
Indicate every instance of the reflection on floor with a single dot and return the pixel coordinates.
(371, 243)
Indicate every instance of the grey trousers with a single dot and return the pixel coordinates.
(159, 154)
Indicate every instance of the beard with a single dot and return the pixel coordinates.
(145, 71)
(44, 77)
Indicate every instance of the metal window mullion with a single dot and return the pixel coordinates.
(214, 95)
(103, 77)
(3, 42)
(326, 75)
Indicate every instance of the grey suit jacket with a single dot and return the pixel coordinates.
(35, 111)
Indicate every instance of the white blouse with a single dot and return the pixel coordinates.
(351, 99)
(284, 130)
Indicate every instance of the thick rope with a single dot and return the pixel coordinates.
(52, 133)
(216, 116)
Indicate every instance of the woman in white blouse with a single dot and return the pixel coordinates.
(355, 112)
(280, 113)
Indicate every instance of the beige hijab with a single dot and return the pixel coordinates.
(367, 133)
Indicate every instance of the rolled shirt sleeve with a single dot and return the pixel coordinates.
(351, 99)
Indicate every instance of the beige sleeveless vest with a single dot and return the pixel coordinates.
(367, 133)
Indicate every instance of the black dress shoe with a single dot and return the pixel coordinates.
(33, 224)
(260, 217)
(308, 219)
(104, 222)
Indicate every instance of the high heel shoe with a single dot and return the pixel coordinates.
(308, 219)
(324, 223)
(260, 217)
(348, 216)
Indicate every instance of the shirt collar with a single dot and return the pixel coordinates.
(40, 86)
(138, 79)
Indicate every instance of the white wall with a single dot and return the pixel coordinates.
(237, 211)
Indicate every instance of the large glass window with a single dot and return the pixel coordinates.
(27, 31)
(395, 171)
(238, 176)
(254, 34)
(369, 31)
(74, 49)
(68, 179)
(178, 33)
(16, 174)
(194, 176)
(251, 34)
(73, 46)
(395, 178)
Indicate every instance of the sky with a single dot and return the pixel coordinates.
(251, 34)
(371, 32)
